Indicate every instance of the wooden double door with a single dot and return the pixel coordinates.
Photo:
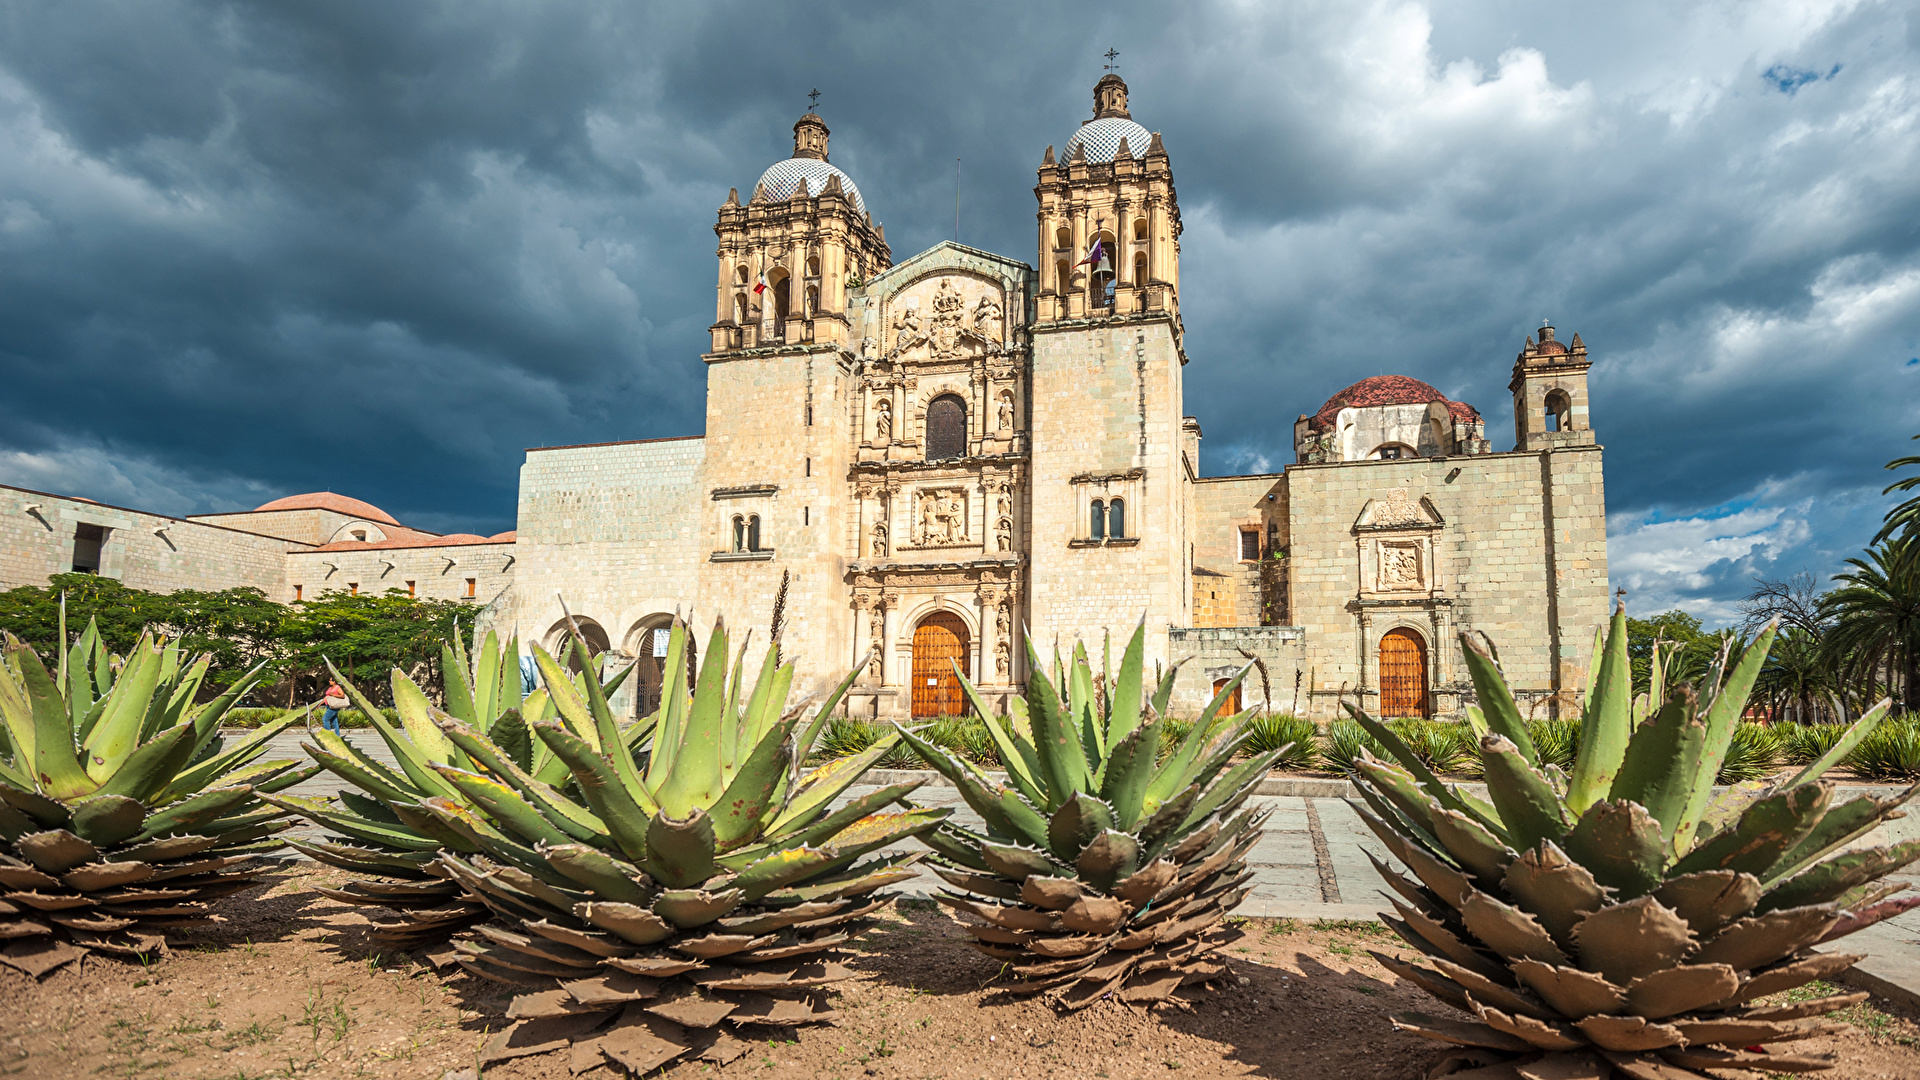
(1403, 675)
(939, 642)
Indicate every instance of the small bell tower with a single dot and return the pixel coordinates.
(1109, 219)
(1550, 393)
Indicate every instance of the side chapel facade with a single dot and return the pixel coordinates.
(942, 455)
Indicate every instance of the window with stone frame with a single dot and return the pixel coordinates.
(1117, 518)
(1097, 520)
(946, 435)
(1249, 545)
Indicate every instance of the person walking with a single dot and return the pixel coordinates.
(335, 700)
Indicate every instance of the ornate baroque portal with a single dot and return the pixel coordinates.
(939, 476)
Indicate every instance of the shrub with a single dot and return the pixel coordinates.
(1753, 753)
(845, 736)
(253, 718)
(1267, 733)
(1803, 744)
(1442, 746)
(1342, 745)
(1557, 741)
(966, 736)
(1892, 752)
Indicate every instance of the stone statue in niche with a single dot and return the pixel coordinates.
(1399, 567)
(883, 421)
(1002, 621)
(1003, 535)
(1006, 504)
(879, 541)
(1002, 658)
(878, 622)
(987, 319)
(1006, 410)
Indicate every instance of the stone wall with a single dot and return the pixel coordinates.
(477, 573)
(182, 554)
(1214, 653)
(1520, 553)
(306, 526)
(1224, 507)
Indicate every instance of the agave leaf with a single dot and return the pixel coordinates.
(1675, 990)
(460, 817)
(1508, 930)
(1023, 766)
(1661, 770)
(1830, 879)
(1558, 891)
(487, 705)
(1476, 722)
(1472, 846)
(18, 715)
(1400, 788)
(1018, 861)
(607, 731)
(694, 781)
(1499, 713)
(1176, 772)
(1607, 723)
(1855, 735)
(118, 731)
(1710, 899)
(680, 850)
(405, 752)
(1125, 690)
(1129, 769)
(1841, 825)
(460, 693)
(1763, 939)
(1390, 741)
(1056, 737)
(347, 761)
(1164, 692)
(626, 822)
(206, 718)
(780, 869)
(1082, 709)
(1627, 941)
(1232, 787)
(105, 820)
(1075, 825)
(1621, 845)
(1522, 796)
(510, 733)
(55, 763)
(215, 768)
(1569, 990)
(1110, 857)
(984, 799)
(1723, 715)
(188, 813)
(740, 814)
(417, 720)
(802, 834)
(570, 817)
(595, 871)
(151, 766)
(821, 786)
(505, 806)
(1768, 829)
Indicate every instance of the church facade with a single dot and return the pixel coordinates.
(922, 463)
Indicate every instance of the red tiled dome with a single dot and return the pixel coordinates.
(327, 500)
(1379, 390)
(509, 536)
(1549, 347)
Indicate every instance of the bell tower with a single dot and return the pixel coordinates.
(1109, 220)
(1549, 388)
(788, 257)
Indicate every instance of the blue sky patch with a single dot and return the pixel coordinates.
(1788, 80)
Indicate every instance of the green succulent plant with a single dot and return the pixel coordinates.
(381, 830)
(1104, 867)
(123, 812)
(1623, 918)
(645, 898)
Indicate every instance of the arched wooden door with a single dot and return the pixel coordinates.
(649, 676)
(939, 642)
(1403, 674)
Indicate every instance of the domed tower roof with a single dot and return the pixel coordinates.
(1386, 390)
(1111, 122)
(327, 500)
(808, 166)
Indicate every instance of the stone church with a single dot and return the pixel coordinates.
(937, 457)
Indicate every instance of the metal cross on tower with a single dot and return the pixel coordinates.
(813, 100)
(1111, 54)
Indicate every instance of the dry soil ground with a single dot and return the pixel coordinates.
(288, 987)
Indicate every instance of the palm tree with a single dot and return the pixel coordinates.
(1797, 681)
(1905, 518)
(1876, 618)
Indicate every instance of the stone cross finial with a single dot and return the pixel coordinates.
(1111, 55)
(813, 100)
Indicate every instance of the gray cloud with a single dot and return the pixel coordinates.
(252, 249)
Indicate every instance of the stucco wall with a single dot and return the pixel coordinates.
(190, 555)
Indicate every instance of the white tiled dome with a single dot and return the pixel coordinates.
(1102, 138)
(784, 178)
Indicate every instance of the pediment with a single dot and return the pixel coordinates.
(1398, 508)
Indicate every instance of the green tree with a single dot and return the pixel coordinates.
(32, 613)
(374, 634)
(1876, 620)
(1693, 647)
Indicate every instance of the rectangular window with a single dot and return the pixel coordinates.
(471, 585)
(296, 592)
(410, 589)
(353, 588)
(1249, 545)
(87, 542)
(806, 515)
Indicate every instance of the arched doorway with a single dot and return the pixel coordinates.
(1403, 674)
(591, 632)
(939, 642)
(1231, 706)
(648, 644)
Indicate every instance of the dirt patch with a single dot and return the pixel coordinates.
(289, 987)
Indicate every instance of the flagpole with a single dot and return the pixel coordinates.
(956, 200)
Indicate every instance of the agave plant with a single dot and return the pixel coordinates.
(122, 810)
(1103, 867)
(382, 831)
(706, 881)
(1623, 918)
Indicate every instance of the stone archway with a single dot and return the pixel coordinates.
(591, 632)
(648, 645)
(1403, 674)
(939, 642)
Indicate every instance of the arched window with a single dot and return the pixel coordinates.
(1559, 411)
(740, 308)
(1103, 275)
(782, 303)
(946, 428)
(813, 267)
(753, 533)
(1097, 520)
(1139, 228)
(1117, 518)
(1063, 237)
(740, 275)
(739, 533)
(813, 300)
(1395, 451)
(1062, 276)
(1139, 268)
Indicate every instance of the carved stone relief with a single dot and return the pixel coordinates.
(940, 516)
(1400, 566)
(950, 332)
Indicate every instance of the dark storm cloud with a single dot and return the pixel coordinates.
(250, 249)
